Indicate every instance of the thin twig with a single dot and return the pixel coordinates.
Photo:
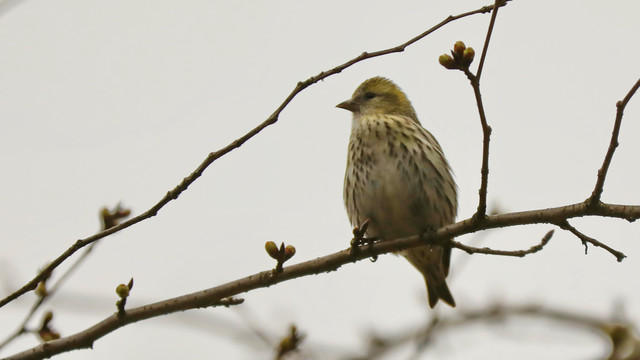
(22, 328)
(108, 220)
(517, 253)
(486, 129)
(494, 15)
(602, 173)
(176, 191)
(486, 138)
(589, 240)
(213, 296)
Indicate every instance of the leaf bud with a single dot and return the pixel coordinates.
(467, 55)
(447, 61)
(272, 249)
(122, 290)
(289, 251)
(459, 48)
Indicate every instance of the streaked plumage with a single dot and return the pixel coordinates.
(398, 178)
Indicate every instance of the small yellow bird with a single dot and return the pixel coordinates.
(398, 178)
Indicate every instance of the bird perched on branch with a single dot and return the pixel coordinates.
(398, 179)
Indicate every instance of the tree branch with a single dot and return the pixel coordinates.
(486, 138)
(517, 253)
(213, 296)
(586, 239)
(602, 173)
(187, 181)
(494, 15)
(109, 219)
(486, 129)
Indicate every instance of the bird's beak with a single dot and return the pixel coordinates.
(350, 105)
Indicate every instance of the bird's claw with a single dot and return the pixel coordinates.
(358, 235)
(359, 239)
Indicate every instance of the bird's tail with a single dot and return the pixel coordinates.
(437, 289)
(433, 263)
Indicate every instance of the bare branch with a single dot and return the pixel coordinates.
(187, 181)
(486, 129)
(589, 240)
(517, 253)
(213, 296)
(460, 59)
(494, 15)
(602, 173)
(108, 219)
(486, 138)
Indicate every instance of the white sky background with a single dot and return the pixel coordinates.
(108, 101)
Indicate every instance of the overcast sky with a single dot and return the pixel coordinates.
(116, 101)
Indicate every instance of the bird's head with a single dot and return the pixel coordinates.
(378, 96)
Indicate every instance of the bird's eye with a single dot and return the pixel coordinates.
(369, 96)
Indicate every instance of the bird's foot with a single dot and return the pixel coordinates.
(359, 239)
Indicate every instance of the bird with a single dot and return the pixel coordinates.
(398, 179)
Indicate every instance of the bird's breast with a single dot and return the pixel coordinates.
(396, 179)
